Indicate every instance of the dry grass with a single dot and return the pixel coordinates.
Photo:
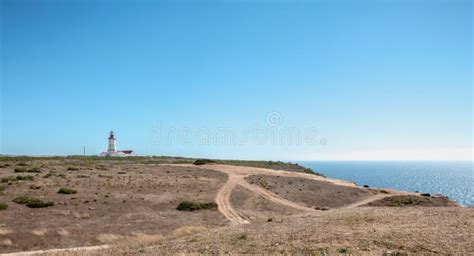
(109, 238)
(188, 230)
(356, 219)
(39, 232)
(131, 205)
(142, 201)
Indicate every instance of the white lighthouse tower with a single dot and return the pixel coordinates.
(112, 147)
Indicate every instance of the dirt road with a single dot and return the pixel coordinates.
(223, 201)
(237, 175)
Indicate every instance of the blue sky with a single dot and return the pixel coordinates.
(289, 80)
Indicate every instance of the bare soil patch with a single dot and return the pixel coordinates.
(311, 193)
(257, 208)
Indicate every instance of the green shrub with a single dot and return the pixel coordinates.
(15, 178)
(27, 177)
(34, 170)
(22, 164)
(344, 250)
(53, 174)
(20, 169)
(32, 202)
(37, 203)
(3, 206)
(8, 179)
(203, 161)
(23, 169)
(242, 237)
(22, 199)
(34, 186)
(67, 191)
(194, 206)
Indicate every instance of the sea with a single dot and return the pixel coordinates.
(454, 179)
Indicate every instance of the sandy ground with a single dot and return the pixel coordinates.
(132, 208)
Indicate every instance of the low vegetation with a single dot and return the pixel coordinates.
(344, 250)
(34, 170)
(27, 177)
(3, 206)
(194, 206)
(96, 160)
(32, 202)
(274, 165)
(203, 162)
(242, 237)
(53, 174)
(16, 178)
(37, 203)
(67, 191)
(20, 169)
(411, 200)
(34, 186)
(22, 199)
(31, 170)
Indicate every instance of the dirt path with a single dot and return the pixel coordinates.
(223, 201)
(237, 175)
(367, 200)
(65, 250)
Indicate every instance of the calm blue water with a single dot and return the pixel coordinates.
(453, 179)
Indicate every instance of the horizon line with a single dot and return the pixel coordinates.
(246, 159)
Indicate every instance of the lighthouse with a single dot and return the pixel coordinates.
(112, 148)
